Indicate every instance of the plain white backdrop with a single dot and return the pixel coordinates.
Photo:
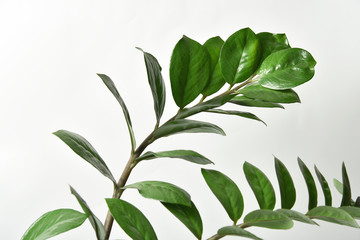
(50, 52)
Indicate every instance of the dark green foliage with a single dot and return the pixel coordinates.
(286, 185)
(325, 187)
(310, 183)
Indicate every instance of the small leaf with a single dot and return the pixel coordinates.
(268, 219)
(84, 149)
(261, 186)
(186, 126)
(353, 211)
(156, 83)
(131, 220)
(162, 191)
(189, 71)
(259, 92)
(286, 69)
(187, 155)
(286, 185)
(310, 183)
(270, 43)
(189, 216)
(338, 185)
(346, 199)
(237, 113)
(95, 222)
(226, 191)
(111, 86)
(54, 223)
(236, 231)
(294, 215)
(324, 186)
(240, 56)
(250, 102)
(334, 215)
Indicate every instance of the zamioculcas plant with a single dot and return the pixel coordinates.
(245, 70)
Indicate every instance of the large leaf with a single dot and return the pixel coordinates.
(286, 69)
(84, 149)
(259, 92)
(251, 102)
(353, 211)
(325, 187)
(261, 186)
(226, 191)
(310, 183)
(334, 215)
(286, 185)
(131, 220)
(189, 71)
(54, 223)
(271, 42)
(162, 191)
(237, 113)
(95, 222)
(156, 83)
(297, 216)
(216, 81)
(111, 86)
(189, 216)
(268, 219)
(346, 199)
(240, 56)
(187, 155)
(186, 126)
(236, 231)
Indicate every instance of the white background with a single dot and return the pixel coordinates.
(50, 52)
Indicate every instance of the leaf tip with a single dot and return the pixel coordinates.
(140, 49)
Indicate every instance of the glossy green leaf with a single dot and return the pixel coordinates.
(310, 183)
(95, 222)
(334, 215)
(270, 43)
(111, 86)
(286, 69)
(261, 186)
(353, 211)
(259, 92)
(268, 219)
(226, 191)
(338, 185)
(297, 216)
(131, 220)
(286, 185)
(156, 83)
(189, 71)
(240, 56)
(84, 149)
(325, 187)
(250, 102)
(237, 113)
(162, 191)
(236, 231)
(346, 199)
(54, 223)
(189, 216)
(187, 155)
(216, 81)
(186, 126)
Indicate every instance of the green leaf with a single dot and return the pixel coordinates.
(270, 43)
(131, 220)
(268, 219)
(310, 183)
(286, 185)
(54, 223)
(259, 92)
(261, 186)
(286, 69)
(95, 222)
(162, 191)
(334, 215)
(216, 81)
(189, 216)
(338, 185)
(186, 126)
(237, 113)
(156, 83)
(236, 231)
(353, 211)
(346, 199)
(240, 56)
(189, 71)
(294, 215)
(111, 86)
(324, 186)
(187, 155)
(250, 102)
(84, 149)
